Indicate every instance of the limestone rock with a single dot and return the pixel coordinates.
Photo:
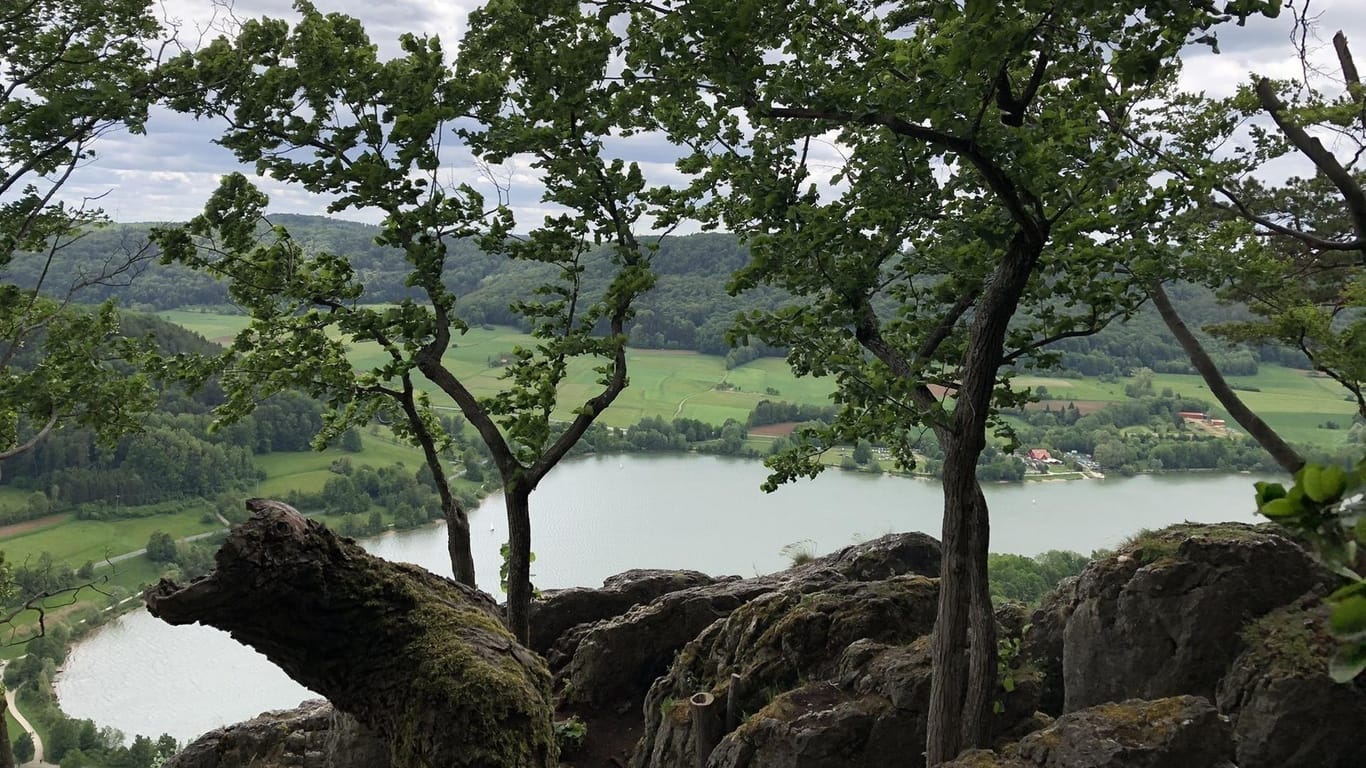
(1043, 641)
(1287, 712)
(313, 735)
(1176, 732)
(559, 610)
(1162, 616)
(617, 659)
(780, 640)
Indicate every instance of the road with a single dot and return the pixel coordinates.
(129, 555)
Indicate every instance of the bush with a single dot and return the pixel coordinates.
(23, 748)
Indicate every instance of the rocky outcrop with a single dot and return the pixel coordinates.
(1287, 712)
(1163, 615)
(1176, 732)
(779, 641)
(1043, 641)
(617, 660)
(313, 735)
(559, 610)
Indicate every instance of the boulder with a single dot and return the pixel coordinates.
(1287, 712)
(1042, 643)
(1175, 732)
(1163, 615)
(556, 611)
(313, 735)
(617, 660)
(777, 642)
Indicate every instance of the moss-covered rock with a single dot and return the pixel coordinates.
(1287, 712)
(1175, 732)
(422, 661)
(1163, 615)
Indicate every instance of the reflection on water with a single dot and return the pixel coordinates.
(602, 515)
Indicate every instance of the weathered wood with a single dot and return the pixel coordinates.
(734, 695)
(706, 726)
(423, 661)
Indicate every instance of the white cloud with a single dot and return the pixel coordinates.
(168, 173)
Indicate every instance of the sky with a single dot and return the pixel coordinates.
(168, 173)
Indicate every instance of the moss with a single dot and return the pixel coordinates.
(1139, 722)
(1149, 546)
(1289, 642)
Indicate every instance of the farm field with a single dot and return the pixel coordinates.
(665, 383)
(78, 541)
(673, 384)
(1294, 402)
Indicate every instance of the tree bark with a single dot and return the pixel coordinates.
(1287, 457)
(423, 661)
(964, 681)
(518, 501)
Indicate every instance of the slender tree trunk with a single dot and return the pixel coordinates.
(518, 500)
(458, 540)
(963, 645)
(1287, 457)
(964, 681)
(982, 648)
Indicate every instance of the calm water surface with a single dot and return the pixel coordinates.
(602, 515)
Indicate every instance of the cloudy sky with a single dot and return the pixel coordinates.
(168, 173)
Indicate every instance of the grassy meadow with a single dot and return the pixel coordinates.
(675, 384)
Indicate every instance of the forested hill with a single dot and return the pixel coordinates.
(688, 309)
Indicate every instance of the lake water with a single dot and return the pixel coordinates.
(601, 515)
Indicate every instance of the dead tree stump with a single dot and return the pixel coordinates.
(423, 661)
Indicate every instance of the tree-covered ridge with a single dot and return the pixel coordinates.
(690, 307)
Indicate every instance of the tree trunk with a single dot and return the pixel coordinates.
(982, 648)
(423, 661)
(458, 540)
(963, 645)
(518, 500)
(1262, 432)
(964, 681)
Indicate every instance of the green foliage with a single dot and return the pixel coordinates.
(1327, 505)
(161, 548)
(371, 136)
(1028, 579)
(23, 747)
(569, 734)
(75, 69)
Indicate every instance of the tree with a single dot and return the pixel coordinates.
(73, 71)
(161, 547)
(23, 747)
(1292, 251)
(372, 137)
(981, 205)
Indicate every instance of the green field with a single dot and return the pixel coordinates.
(77, 541)
(1295, 403)
(685, 384)
(663, 383)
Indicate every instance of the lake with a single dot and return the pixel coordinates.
(601, 515)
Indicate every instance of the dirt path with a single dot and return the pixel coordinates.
(24, 723)
(14, 529)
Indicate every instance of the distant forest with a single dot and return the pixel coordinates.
(690, 308)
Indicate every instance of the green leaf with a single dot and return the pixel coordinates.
(1280, 508)
(1347, 663)
(1348, 618)
(1323, 483)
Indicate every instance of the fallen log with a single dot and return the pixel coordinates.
(424, 662)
